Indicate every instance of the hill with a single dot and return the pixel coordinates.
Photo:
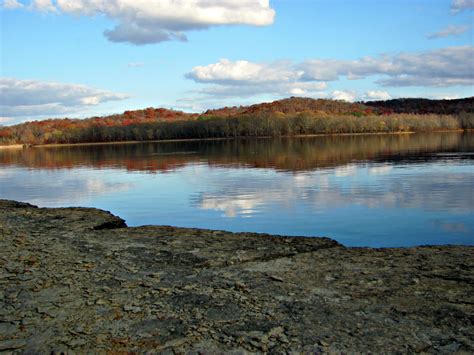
(424, 106)
(295, 105)
(292, 116)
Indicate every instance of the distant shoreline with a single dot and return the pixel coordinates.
(21, 146)
(12, 146)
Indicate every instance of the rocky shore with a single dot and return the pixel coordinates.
(78, 279)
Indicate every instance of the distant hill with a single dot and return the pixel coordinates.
(291, 116)
(294, 105)
(424, 106)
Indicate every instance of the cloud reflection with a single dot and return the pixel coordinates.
(452, 227)
(56, 188)
(241, 205)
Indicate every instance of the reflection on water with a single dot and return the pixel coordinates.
(295, 154)
(378, 190)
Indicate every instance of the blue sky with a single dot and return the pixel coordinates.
(81, 58)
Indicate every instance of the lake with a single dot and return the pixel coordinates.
(362, 190)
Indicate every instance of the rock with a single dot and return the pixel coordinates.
(77, 279)
(276, 332)
(323, 342)
(329, 278)
(275, 278)
(133, 309)
(450, 348)
(8, 329)
(240, 285)
(12, 344)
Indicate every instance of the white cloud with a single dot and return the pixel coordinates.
(377, 95)
(34, 97)
(331, 69)
(344, 95)
(444, 96)
(42, 6)
(227, 72)
(243, 78)
(460, 5)
(276, 89)
(451, 30)
(443, 67)
(11, 4)
(143, 21)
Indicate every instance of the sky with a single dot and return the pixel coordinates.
(82, 58)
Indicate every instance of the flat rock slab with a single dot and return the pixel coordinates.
(78, 279)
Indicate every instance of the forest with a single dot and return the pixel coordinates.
(287, 117)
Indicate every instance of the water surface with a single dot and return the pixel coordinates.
(362, 190)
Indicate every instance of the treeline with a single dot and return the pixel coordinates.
(58, 130)
(304, 123)
(424, 106)
(251, 126)
(294, 116)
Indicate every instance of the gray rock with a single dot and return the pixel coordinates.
(12, 344)
(77, 279)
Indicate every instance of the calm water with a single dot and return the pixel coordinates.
(378, 190)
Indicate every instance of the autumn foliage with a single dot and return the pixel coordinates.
(292, 116)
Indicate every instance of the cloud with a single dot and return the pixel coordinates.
(34, 97)
(278, 89)
(444, 96)
(133, 33)
(377, 95)
(143, 22)
(443, 67)
(460, 5)
(242, 71)
(244, 78)
(42, 6)
(11, 4)
(448, 31)
(344, 95)
(136, 65)
(199, 104)
(332, 69)
(4, 120)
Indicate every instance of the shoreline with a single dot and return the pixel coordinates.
(80, 280)
(55, 145)
(12, 146)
